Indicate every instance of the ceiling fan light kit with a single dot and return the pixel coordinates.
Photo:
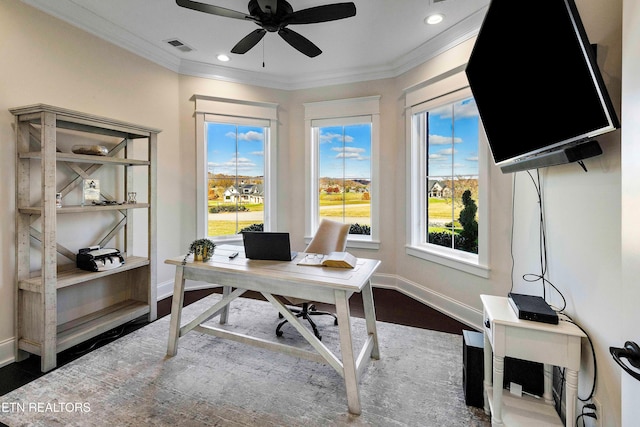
(274, 16)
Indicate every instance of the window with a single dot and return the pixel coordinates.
(235, 177)
(448, 178)
(342, 152)
(236, 169)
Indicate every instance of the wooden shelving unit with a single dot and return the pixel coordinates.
(41, 292)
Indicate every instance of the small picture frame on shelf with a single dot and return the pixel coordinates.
(90, 191)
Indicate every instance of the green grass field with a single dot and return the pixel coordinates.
(354, 207)
(226, 228)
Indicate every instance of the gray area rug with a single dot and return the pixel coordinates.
(215, 382)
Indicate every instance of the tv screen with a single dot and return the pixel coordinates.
(535, 80)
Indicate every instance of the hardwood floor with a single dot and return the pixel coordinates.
(391, 306)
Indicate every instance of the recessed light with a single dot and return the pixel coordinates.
(436, 18)
(222, 57)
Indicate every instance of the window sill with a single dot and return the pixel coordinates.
(356, 242)
(462, 263)
(227, 240)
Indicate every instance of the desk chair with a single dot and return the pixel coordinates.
(330, 237)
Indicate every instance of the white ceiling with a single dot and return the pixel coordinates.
(384, 39)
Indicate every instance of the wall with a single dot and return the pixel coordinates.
(630, 232)
(583, 213)
(78, 71)
(583, 223)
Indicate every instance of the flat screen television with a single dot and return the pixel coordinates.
(535, 80)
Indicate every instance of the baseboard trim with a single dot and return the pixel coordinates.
(165, 289)
(444, 304)
(455, 309)
(7, 355)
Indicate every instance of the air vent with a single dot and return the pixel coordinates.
(179, 45)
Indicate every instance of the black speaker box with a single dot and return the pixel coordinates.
(526, 373)
(473, 368)
(558, 157)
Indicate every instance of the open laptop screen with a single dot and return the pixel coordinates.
(267, 245)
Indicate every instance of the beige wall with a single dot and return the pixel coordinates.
(78, 71)
(47, 61)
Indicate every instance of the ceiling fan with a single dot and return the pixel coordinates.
(274, 16)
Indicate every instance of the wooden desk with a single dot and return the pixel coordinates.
(552, 345)
(321, 284)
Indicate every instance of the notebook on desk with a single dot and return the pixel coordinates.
(266, 245)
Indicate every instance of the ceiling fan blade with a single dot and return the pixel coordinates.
(268, 6)
(327, 12)
(214, 10)
(300, 42)
(249, 41)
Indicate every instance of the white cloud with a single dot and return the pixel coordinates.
(249, 136)
(442, 140)
(330, 137)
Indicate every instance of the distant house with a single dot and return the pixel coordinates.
(244, 193)
(438, 189)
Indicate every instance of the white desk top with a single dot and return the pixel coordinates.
(348, 279)
(500, 312)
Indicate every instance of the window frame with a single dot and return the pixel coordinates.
(421, 98)
(341, 112)
(233, 111)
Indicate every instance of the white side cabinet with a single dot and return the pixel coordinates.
(552, 345)
(57, 305)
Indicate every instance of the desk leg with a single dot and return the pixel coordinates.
(224, 316)
(488, 372)
(176, 311)
(498, 379)
(346, 348)
(571, 393)
(370, 316)
(548, 383)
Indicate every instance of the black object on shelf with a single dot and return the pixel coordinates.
(524, 372)
(631, 352)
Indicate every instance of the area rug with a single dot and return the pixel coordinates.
(214, 382)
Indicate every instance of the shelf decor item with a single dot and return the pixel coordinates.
(202, 250)
(90, 191)
(92, 150)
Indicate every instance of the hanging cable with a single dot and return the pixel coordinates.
(530, 277)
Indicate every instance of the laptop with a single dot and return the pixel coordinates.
(267, 245)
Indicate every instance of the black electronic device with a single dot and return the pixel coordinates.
(537, 87)
(95, 258)
(530, 307)
(264, 245)
(530, 375)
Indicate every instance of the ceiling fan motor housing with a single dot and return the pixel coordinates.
(268, 20)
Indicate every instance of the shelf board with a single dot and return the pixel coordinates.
(75, 120)
(84, 328)
(37, 210)
(79, 330)
(76, 276)
(86, 158)
(525, 411)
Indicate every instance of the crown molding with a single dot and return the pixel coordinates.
(78, 16)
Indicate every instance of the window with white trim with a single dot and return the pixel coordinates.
(342, 154)
(448, 177)
(236, 167)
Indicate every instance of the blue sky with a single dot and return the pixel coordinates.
(222, 157)
(463, 131)
(345, 151)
